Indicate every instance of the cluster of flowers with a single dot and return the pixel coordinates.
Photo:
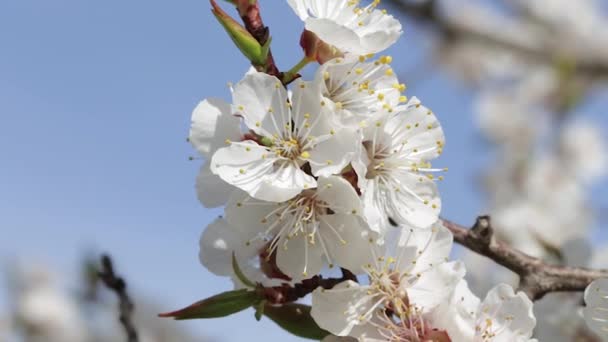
(336, 172)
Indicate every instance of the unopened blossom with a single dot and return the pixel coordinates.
(596, 310)
(349, 26)
(405, 283)
(221, 240)
(289, 133)
(356, 88)
(394, 173)
(212, 124)
(319, 226)
(503, 316)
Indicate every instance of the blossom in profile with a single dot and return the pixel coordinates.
(349, 27)
(394, 170)
(356, 88)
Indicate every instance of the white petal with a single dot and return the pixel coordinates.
(458, 316)
(331, 156)
(417, 203)
(357, 89)
(433, 286)
(217, 243)
(299, 259)
(252, 168)
(596, 310)
(507, 314)
(212, 125)
(348, 240)
(422, 249)
(339, 195)
(259, 98)
(333, 33)
(211, 190)
(379, 32)
(247, 214)
(338, 310)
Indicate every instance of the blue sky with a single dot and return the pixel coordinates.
(95, 103)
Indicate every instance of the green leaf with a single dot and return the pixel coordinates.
(239, 274)
(220, 305)
(296, 319)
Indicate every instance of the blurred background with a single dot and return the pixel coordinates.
(95, 104)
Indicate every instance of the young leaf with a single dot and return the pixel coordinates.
(220, 305)
(296, 319)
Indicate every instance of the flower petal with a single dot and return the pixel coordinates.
(217, 243)
(331, 156)
(299, 259)
(596, 310)
(211, 190)
(339, 195)
(507, 315)
(212, 125)
(259, 98)
(433, 286)
(458, 316)
(252, 168)
(338, 310)
(348, 241)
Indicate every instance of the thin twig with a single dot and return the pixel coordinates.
(252, 19)
(537, 277)
(118, 285)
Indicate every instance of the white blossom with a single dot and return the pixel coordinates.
(352, 29)
(409, 280)
(596, 310)
(392, 164)
(356, 89)
(503, 316)
(290, 133)
(319, 226)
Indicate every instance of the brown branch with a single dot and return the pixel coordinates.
(287, 294)
(537, 278)
(118, 285)
(250, 14)
(591, 65)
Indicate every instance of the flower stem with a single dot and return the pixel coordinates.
(292, 74)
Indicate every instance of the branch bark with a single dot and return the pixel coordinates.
(537, 277)
(118, 285)
(250, 14)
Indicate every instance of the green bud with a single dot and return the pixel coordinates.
(248, 45)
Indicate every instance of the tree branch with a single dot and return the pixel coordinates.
(590, 63)
(250, 14)
(287, 294)
(118, 285)
(537, 277)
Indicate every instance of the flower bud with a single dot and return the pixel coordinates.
(316, 49)
(248, 45)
